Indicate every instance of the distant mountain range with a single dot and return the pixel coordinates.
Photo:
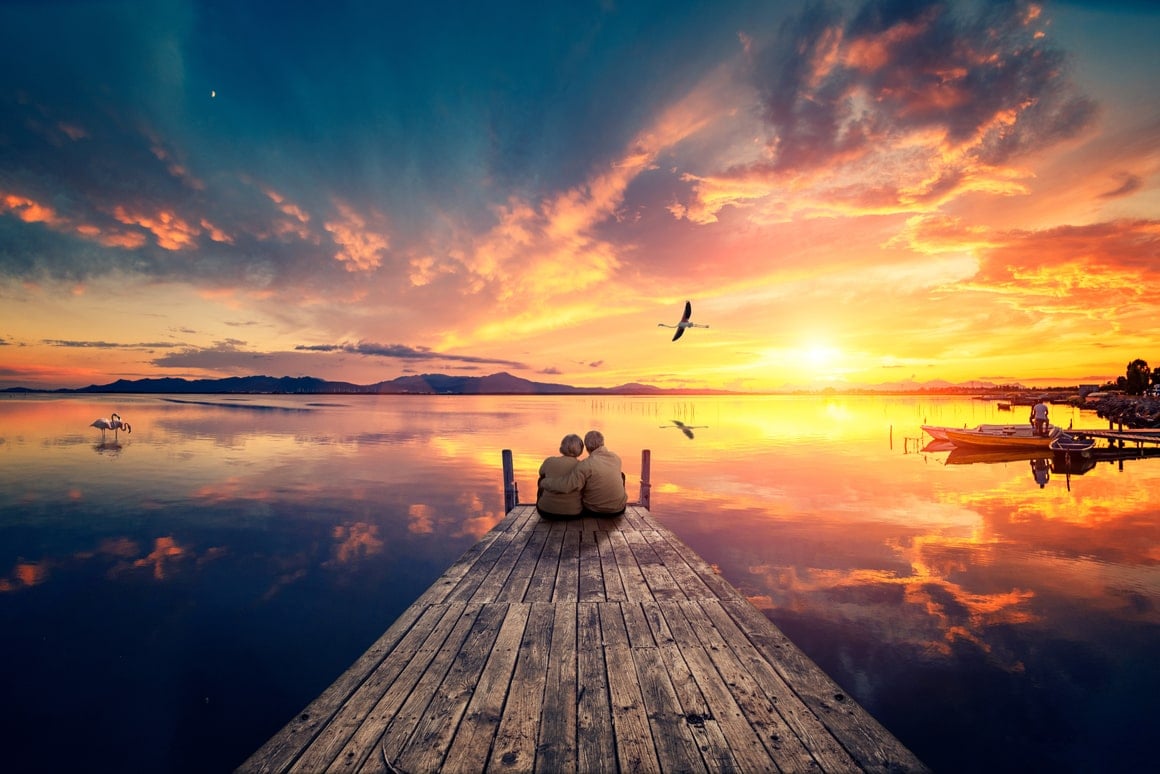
(426, 384)
(441, 384)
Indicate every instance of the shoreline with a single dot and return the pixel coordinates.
(1136, 412)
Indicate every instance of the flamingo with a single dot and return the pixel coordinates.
(113, 423)
(686, 429)
(684, 323)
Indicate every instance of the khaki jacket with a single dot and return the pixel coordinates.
(600, 479)
(558, 503)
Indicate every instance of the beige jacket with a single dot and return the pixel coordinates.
(600, 479)
(558, 503)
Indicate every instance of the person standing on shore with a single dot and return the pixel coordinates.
(1039, 417)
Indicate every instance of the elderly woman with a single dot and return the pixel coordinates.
(561, 505)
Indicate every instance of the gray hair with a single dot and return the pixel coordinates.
(571, 446)
(593, 440)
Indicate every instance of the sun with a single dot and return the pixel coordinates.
(821, 356)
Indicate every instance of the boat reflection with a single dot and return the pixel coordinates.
(968, 455)
(1073, 463)
(1043, 462)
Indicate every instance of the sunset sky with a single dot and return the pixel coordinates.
(848, 193)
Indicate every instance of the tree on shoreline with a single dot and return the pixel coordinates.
(1138, 378)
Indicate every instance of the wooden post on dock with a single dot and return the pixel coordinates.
(511, 493)
(645, 482)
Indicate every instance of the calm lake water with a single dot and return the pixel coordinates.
(170, 598)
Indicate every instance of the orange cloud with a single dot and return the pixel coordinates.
(358, 540)
(165, 551)
(215, 233)
(130, 240)
(30, 211)
(479, 525)
(25, 575)
(419, 519)
(875, 51)
(297, 220)
(171, 231)
(872, 120)
(539, 255)
(360, 248)
(231, 489)
(1103, 268)
(426, 269)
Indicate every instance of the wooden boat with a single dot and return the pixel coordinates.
(1072, 456)
(939, 432)
(1003, 436)
(1067, 443)
(935, 432)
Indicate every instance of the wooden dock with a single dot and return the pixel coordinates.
(1120, 437)
(583, 646)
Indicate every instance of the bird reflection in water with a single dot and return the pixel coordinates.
(686, 429)
(107, 447)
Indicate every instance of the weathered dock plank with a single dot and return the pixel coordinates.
(582, 646)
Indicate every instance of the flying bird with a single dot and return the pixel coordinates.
(686, 429)
(684, 323)
(113, 423)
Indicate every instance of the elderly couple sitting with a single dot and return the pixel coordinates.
(570, 487)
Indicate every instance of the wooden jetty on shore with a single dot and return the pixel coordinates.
(583, 645)
(1120, 436)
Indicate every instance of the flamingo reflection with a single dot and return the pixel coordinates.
(686, 429)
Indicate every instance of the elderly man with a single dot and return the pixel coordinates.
(598, 476)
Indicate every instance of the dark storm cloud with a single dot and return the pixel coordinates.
(837, 86)
(402, 352)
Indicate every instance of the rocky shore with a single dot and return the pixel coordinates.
(1131, 411)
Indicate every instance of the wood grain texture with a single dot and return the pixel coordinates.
(583, 646)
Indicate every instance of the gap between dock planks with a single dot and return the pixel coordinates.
(581, 646)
